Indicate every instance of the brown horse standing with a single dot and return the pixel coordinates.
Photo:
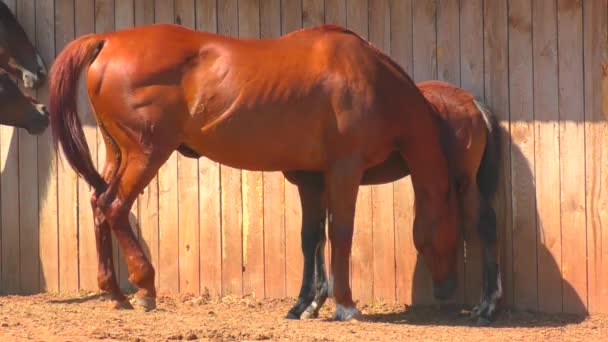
(319, 99)
(18, 109)
(477, 160)
(17, 54)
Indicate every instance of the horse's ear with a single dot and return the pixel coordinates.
(178, 20)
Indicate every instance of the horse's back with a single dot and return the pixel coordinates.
(465, 120)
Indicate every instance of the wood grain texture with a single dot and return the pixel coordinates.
(188, 192)
(403, 193)
(253, 186)
(47, 159)
(546, 130)
(66, 178)
(84, 14)
(382, 195)
(210, 188)
(471, 80)
(231, 203)
(596, 151)
(572, 161)
(521, 289)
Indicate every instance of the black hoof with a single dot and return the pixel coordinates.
(291, 315)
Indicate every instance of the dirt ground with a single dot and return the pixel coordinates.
(86, 317)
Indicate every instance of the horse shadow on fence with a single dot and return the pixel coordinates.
(421, 313)
(25, 235)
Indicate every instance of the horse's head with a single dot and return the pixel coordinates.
(439, 247)
(17, 53)
(19, 110)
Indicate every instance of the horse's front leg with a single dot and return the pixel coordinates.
(310, 188)
(342, 185)
(492, 286)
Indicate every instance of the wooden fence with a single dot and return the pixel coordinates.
(541, 66)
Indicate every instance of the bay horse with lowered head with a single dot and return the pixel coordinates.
(319, 99)
(477, 156)
(18, 109)
(17, 53)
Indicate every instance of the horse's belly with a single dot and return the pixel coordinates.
(279, 149)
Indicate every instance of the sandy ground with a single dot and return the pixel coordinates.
(86, 317)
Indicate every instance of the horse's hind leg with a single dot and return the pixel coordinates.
(136, 170)
(342, 184)
(492, 286)
(106, 277)
(310, 188)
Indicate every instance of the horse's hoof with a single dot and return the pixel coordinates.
(311, 311)
(146, 303)
(291, 315)
(345, 313)
(121, 305)
(483, 322)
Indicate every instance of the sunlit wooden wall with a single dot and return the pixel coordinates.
(541, 66)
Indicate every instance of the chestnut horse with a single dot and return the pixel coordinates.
(477, 157)
(319, 99)
(18, 109)
(17, 54)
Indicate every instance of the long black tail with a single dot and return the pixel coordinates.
(488, 174)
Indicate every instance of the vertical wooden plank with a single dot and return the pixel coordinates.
(335, 12)
(471, 80)
(188, 188)
(448, 69)
(522, 284)
(47, 161)
(125, 18)
(9, 189)
(362, 254)
(168, 225)
(84, 15)
(546, 130)
(424, 68)
(403, 193)
(382, 195)
(496, 80)
(13, 7)
(148, 200)
(448, 41)
(253, 191)
(313, 12)
(572, 161)
(596, 147)
(210, 190)
(66, 178)
(294, 13)
(232, 205)
(28, 173)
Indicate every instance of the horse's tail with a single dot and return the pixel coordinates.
(489, 169)
(65, 123)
